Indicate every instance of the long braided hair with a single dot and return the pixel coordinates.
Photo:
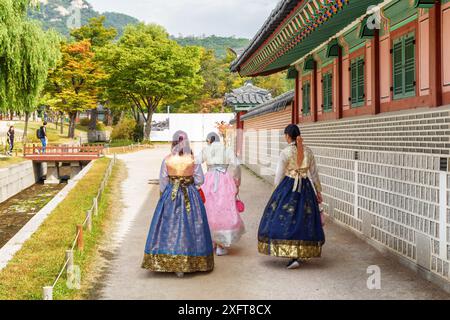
(293, 131)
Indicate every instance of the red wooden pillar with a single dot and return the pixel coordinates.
(436, 54)
(240, 132)
(339, 105)
(376, 91)
(314, 102)
(296, 105)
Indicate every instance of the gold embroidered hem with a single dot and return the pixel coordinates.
(172, 263)
(290, 249)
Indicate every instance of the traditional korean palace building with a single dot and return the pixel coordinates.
(372, 96)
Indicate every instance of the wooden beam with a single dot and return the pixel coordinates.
(314, 102)
(339, 102)
(435, 43)
(296, 104)
(376, 90)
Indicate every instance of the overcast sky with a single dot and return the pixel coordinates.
(240, 18)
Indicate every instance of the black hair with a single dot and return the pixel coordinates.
(45, 123)
(180, 144)
(293, 131)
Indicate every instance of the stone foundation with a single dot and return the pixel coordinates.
(16, 178)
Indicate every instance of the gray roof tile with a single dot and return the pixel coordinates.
(247, 95)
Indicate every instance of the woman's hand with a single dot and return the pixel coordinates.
(319, 198)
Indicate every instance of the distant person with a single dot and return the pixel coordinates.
(10, 135)
(42, 135)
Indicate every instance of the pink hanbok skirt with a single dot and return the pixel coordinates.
(225, 222)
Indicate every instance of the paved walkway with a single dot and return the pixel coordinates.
(340, 274)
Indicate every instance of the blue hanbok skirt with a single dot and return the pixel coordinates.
(291, 226)
(179, 239)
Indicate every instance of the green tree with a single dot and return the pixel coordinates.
(96, 32)
(146, 68)
(26, 55)
(75, 82)
(99, 36)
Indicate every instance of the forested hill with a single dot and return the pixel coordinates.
(218, 44)
(55, 13)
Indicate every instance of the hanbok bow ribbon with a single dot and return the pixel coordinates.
(298, 175)
(182, 183)
(217, 172)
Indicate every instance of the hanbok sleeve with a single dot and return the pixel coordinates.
(314, 173)
(281, 168)
(235, 163)
(201, 157)
(163, 177)
(199, 178)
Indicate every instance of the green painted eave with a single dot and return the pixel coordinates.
(323, 33)
(424, 3)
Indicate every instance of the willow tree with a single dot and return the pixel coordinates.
(26, 54)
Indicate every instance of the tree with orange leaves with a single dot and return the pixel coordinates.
(75, 83)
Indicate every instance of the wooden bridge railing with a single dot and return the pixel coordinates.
(32, 150)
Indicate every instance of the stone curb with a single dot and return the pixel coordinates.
(16, 243)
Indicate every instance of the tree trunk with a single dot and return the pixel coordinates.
(148, 126)
(62, 122)
(94, 117)
(72, 119)
(136, 115)
(25, 129)
(108, 118)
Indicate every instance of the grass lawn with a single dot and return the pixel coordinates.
(38, 262)
(54, 135)
(9, 161)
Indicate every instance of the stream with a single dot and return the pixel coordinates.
(18, 210)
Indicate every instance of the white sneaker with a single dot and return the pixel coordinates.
(221, 251)
(293, 264)
(180, 274)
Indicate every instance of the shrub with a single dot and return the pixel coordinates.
(85, 122)
(138, 134)
(124, 130)
(100, 126)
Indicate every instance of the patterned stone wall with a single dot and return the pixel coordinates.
(386, 177)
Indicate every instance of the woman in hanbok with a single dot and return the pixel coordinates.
(179, 240)
(291, 226)
(221, 188)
